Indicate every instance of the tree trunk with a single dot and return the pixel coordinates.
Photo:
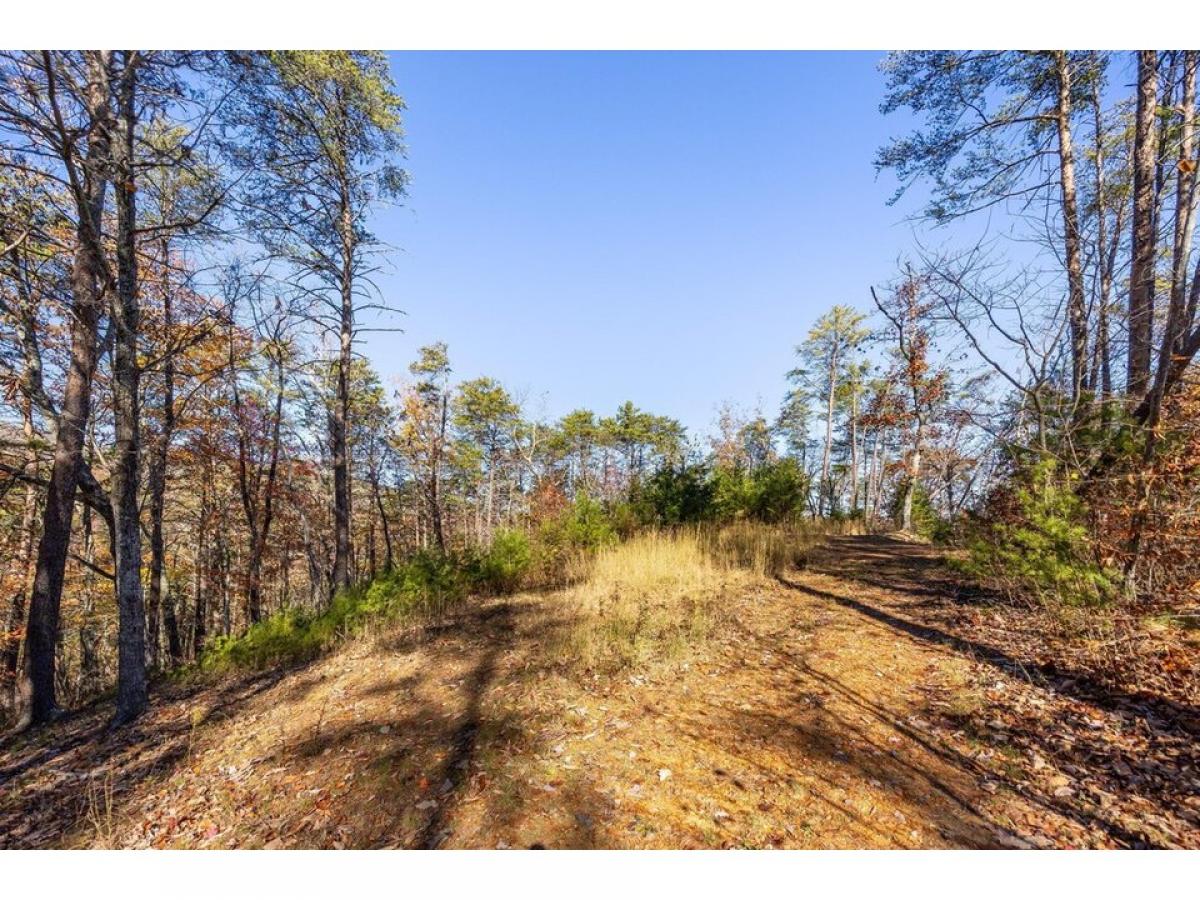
(1105, 260)
(200, 598)
(387, 534)
(36, 689)
(131, 639)
(341, 412)
(912, 477)
(11, 650)
(1076, 309)
(158, 485)
(1177, 324)
(89, 639)
(435, 500)
(854, 449)
(826, 488)
(1141, 279)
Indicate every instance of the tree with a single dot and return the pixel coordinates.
(578, 431)
(1141, 275)
(131, 644)
(991, 120)
(827, 354)
(908, 315)
(423, 418)
(486, 415)
(60, 105)
(324, 130)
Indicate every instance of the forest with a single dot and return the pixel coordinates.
(255, 594)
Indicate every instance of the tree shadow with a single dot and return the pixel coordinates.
(1154, 779)
(77, 768)
(1167, 714)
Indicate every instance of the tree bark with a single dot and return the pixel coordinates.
(912, 477)
(1105, 260)
(341, 413)
(36, 689)
(1141, 280)
(854, 497)
(1177, 324)
(1076, 308)
(826, 488)
(16, 617)
(131, 639)
(157, 477)
(387, 533)
(200, 602)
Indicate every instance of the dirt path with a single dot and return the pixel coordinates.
(846, 706)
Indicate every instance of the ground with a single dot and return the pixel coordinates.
(863, 700)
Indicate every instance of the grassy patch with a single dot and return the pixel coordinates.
(426, 585)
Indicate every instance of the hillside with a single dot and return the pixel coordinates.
(667, 702)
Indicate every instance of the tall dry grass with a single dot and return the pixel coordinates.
(767, 550)
(660, 594)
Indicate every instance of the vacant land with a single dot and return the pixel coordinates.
(856, 701)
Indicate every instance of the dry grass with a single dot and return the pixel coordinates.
(768, 550)
(659, 595)
(650, 598)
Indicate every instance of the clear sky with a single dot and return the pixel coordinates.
(660, 227)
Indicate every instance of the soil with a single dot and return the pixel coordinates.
(862, 701)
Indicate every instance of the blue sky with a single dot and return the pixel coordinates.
(660, 227)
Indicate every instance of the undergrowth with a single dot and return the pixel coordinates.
(425, 586)
(660, 594)
(654, 595)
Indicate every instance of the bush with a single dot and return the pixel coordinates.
(585, 526)
(773, 492)
(676, 495)
(925, 519)
(504, 565)
(424, 585)
(1036, 543)
(778, 491)
(567, 540)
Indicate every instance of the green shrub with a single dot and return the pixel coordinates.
(925, 519)
(732, 493)
(775, 491)
(778, 491)
(504, 565)
(585, 526)
(1036, 543)
(676, 495)
(425, 584)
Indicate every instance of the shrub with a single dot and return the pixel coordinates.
(566, 541)
(773, 492)
(778, 491)
(926, 521)
(504, 565)
(426, 584)
(732, 493)
(1036, 543)
(584, 526)
(677, 495)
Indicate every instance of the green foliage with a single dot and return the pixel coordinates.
(1037, 545)
(925, 519)
(779, 491)
(774, 491)
(675, 495)
(503, 566)
(582, 529)
(732, 493)
(585, 526)
(426, 584)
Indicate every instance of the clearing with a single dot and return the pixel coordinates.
(860, 701)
